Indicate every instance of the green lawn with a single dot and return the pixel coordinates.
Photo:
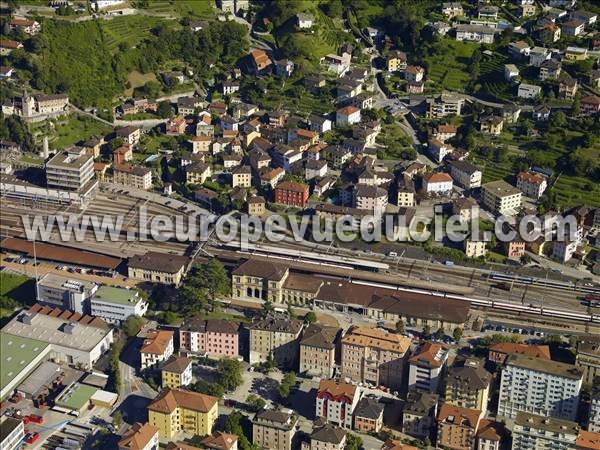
(77, 129)
(448, 67)
(15, 290)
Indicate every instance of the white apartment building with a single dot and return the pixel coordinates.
(533, 432)
(532, 184)
(437, 183)
(157, 347)
(465, 174)
(336, 402)
(539, 386)
(135, 176)
(66, 293)
(528, 90)
(594, 414)
(444, 105)
(370, 198)
(474, 248)
(115, 305)
(563, 251)
(501, 197)
(476, 33)
(70, 170)
(426, 367)
(12, 432)
(439, 150)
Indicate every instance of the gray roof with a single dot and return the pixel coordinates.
(470, 371)
(320, 336)
(546, 423)
(368, 408)
(329, 433)
(543, 365)
(421, 403)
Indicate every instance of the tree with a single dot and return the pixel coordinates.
(164, 110)
(233, 425)
(457, 334)
(353, 442)
(426, 332)
(270, 363)
(117, 419)
(267, 308)
(214, 278)
(133, 325)
(310, 317)
(525, 259)
(400, 326)
(230, 373)
(255, 403)
(286, 385)
(440, 332)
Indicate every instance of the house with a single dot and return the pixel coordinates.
(139, 437)
(291, 194)
(157, 267)
(515, 248)
(589, 18)
(26, 25)
(315, 168)
(488, 12)
(176, 410)
(491, 125)
(528, 10)
(318, 350)
(362, 101)
(284, 68)
(304, 20)
(457, 427)
(271, 177)
(260, 63)
(130, 134)
(452, 9)
(567, 87)
(214, 338)
(314, 84)
(177, 372)
(590, 105)
(437, 183)
(274, 429)
(230, 161)
(466, 208)
(511, 112)
(573, 53)
(327, 437)
(122, 154)
(528, 90)
(8, 45)
(501, 197)
(465, 174)
(405, 190)
(337, 64)
(549, 32)
(397, 445)
(323, 186)
(476, 33)
(550, 69)
(6, 72)
(371, 198)
(219, 441)
(197, 173)
(413, 87)
(510, 71)
(230, 87)
(320, 124)
(563, 251)
(348, 115)
(395, 61)
(138, 177)
(498, 353)
(419, 414)
(541, 113)
(256, 206)
(368, 416)
(336, 402)
(444, 131)
(519, 50)
(200, 144)
(532, 184)
(426, 367)
(538, 55)
(157, 347)
(573, 27)
(439, 150)
(474, 248)
(241, 176)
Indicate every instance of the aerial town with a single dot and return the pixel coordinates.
(124, 120)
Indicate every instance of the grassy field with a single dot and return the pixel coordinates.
(130, 29)
(15, 290)
(571, 191)
(137, 79)
(77, 129)
(448, 67)
(200, 8)
(492, 77)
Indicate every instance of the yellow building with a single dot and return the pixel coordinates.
(175, 410)
(177, 372)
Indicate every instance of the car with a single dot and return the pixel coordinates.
(392, 254)
(36, 418)
(32, 437)
(449, 263)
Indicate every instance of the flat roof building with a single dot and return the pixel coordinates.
(115, 304)
(65, 292)
(71, 170)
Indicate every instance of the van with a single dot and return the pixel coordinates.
(392, 254)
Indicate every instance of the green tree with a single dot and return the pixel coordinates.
(233, 425)
(133, 325)
(400, 326)
(353, 442)
(255, 403)
(230, 373)
(267, 308)
(457, 334)
(310, 317)
(426, 332)
(214, 278)
(286, 385)
(440, 333)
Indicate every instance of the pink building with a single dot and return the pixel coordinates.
(215, 338)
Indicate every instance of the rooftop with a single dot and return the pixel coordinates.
(457, 415)
(320, 336)
(337, 389)
(277, 324)
(16, 354)
(376, 338)
(138, 436)
(368, 408)
(546, 423)
(329, 433)
(176, 364)
(157, 341)
(76, 396)
(543, 365)
(261, 269)
(170, 399)
(501, 188)
(160, 262)
(117, 295)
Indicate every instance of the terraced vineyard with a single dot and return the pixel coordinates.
(492, 76)
(447, 69)
(130, 29)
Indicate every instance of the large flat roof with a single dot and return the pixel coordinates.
(76, 396)
(119, 296)
(16, 353)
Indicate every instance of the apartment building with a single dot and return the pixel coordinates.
(468, 385)
(499, 352)
(217, 441)
(12, 432)
(197, 173)
(594, 411)
(426, 367)
(336, 402)
(532, 184)
(396, 61)
(241, 176)
(374, 356)
(327, 437)
(157, 267)
(139, 437)
(532, 431)
(138, 177)
(157, 347)
(444, 105)
(318, 350)
(176, 410)
(115, 305)
(419, 414)
(588, 359)
(406, 191)
(465, 174)
(457, 427)
(371, 198)
(275, 336)
(177, 372)
(501, 198)
(64, 292)
(292, 194)
(437, 183)
(492, 125)
(539, 386)
(474, 248)
(476, 33)
(213, 337)
(368, 416)
(274, 429)
(466, 208)
(71, 170)
(130, 134)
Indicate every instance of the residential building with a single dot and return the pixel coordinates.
(64, 292)
(405, 191)
(550, 69)
(186, 106)
(130, 134)
(327, 437)
(587, 440)
(274, 429)
(371, 198)
(528, 90)
(468, 385)
(444, 105)
(304, 20)
(539, 386)
(414, 74)
(419, 414)
(488, 12)
(514, 249)
(532, 184)
(452, 9)
(397, 445)
(573, 53)
(501, 197)
(549, 32)
(138, 177)
(426, 367)
(115, 304)
(318, 350)
(476, 33)
(256, 206)
(510, 72)
(395, 61)
(573, 27)
(157, 347)
(491, 435)
(157, 267)
(241, 176)
(347, 115)
(292, 194)
(12, 433)
(537, 55)
(230, 87)
(213, 337)
(260, 63)
(336, 402)
(588, 359)
(176, 410)
(519, 50)
(590, 105)
(541, 113)
(528, 10)
(315, 168)
(219, 441)
(139, 437)
(374, 356)
(438, 183)
(589, 18)
(368, 416)
(567, 87)
(563, 251)
(197, 173)
(26, 25)
(71, 170)
(275, 336)
(594, 410)
(532, 431)
(177, 372)
(444, 131)
(200, 144)
(457, 427)
(474, 248)
(465, 207)
(439, 150)
(492, 125)
(465, 174)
